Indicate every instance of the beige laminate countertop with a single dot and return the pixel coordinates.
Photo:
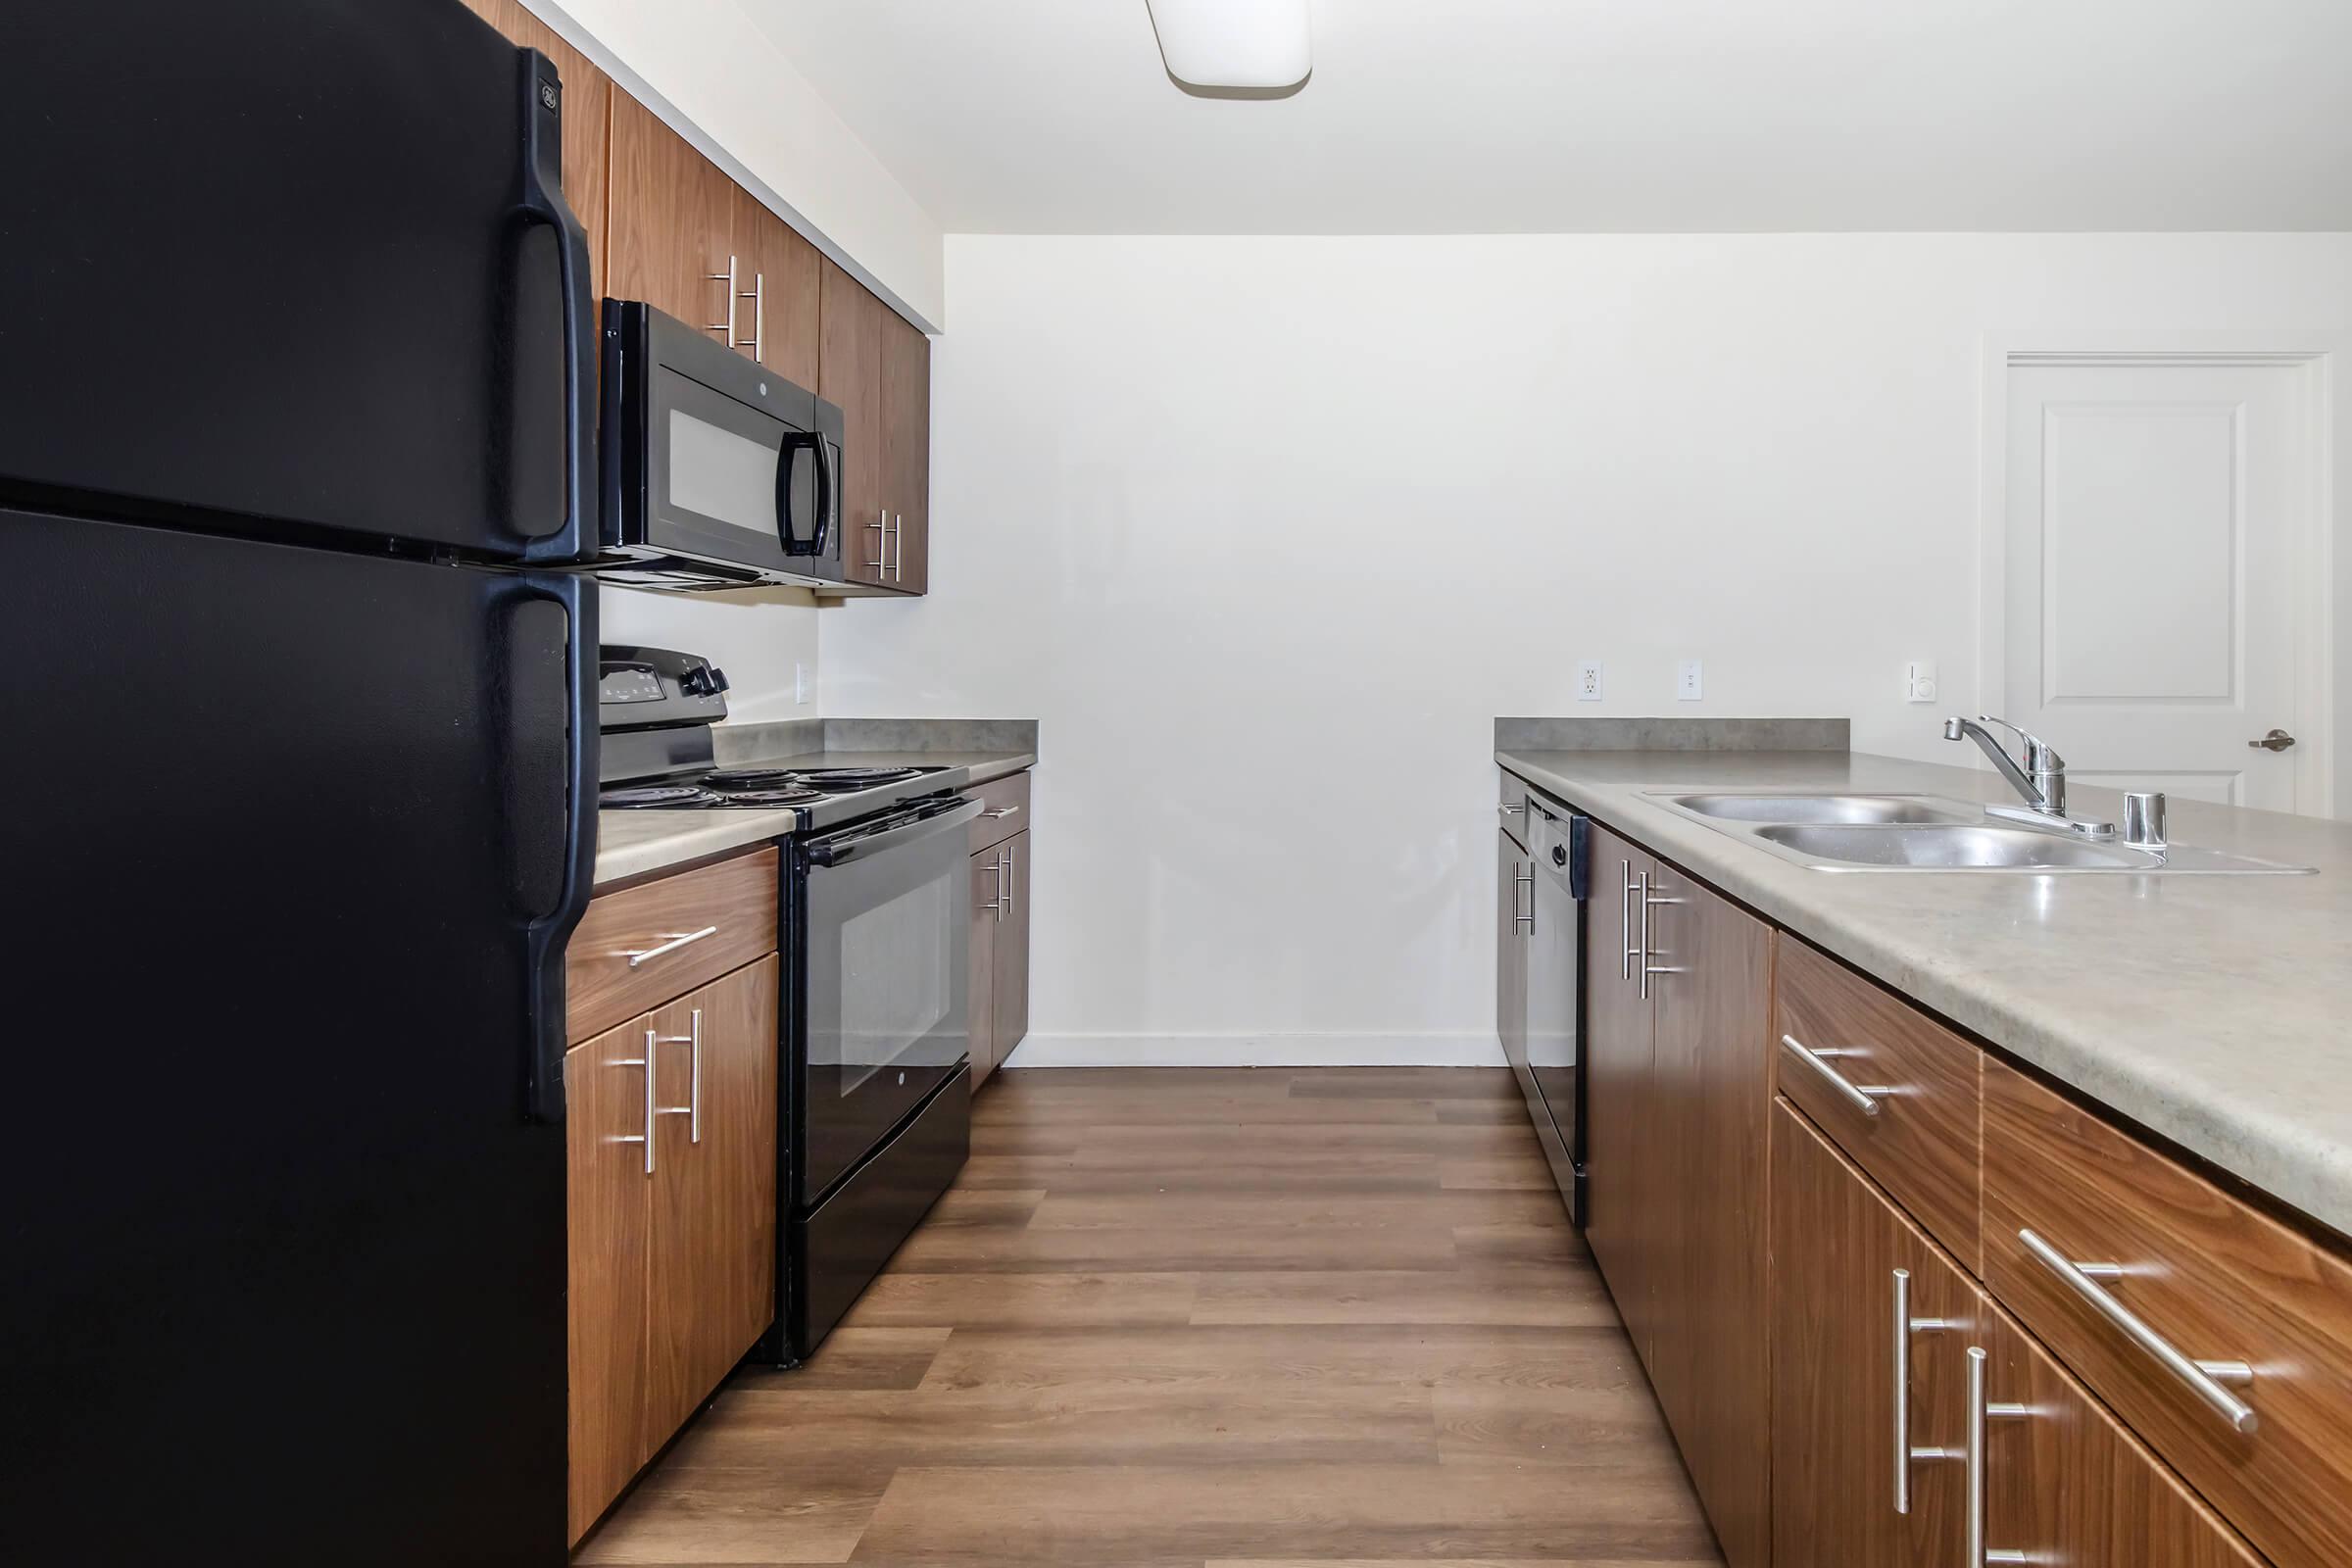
(2215, 1011)
(635, 843)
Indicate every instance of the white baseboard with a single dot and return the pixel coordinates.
(1258, 1051)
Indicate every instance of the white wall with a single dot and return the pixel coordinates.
(757, 636)
(1268, 531)
(745, 106)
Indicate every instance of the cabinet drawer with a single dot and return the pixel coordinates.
(643, 945)
(2202, 1273)
(1004, 809)
(1920, 1135)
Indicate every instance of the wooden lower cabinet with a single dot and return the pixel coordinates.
(1710, 1098)
(2064, 1482)
(1626, 1220)
(609, 1221)
(672, 1244)
(999, 997)
(711, 1275)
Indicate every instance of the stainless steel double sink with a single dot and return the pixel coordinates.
(1845, 832)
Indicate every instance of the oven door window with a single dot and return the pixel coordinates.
(715, 470)
(888, 973)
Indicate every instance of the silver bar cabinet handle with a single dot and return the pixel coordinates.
(758, 298)
(1006, 812)
(1524, 879)
(2205, 1379)
(646, 1137)
(693, 1108)
(1625, 920)
(1005, 885)
(996, 899)
(726, 328)
(881, 548)
(1648, 968)
(671, 945)
(898, 553)
(1905, 1325)
(1864, 1098)
(1978, 1410)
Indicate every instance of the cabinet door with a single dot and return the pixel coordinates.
(906, 449)
(2065, 1482)
(1624, 1223)
(1512, 894)
(671, 226)
(776, 269)
(988, 869)
(1710, 1089)
(849, 373)
(1009, 984)
(609, 1213)
(1838, 1370)
(587, 121)
(712, 1286)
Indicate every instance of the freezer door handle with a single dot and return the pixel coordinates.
(541, 203)
(548, 933)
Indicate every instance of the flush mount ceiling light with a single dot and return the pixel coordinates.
(1258, 47)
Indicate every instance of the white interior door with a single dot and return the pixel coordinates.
(2159, 566)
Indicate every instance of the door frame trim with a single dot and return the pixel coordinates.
(2323, 658)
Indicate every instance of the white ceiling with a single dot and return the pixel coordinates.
(1518, 116)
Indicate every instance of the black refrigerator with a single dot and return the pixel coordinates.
(298, 781)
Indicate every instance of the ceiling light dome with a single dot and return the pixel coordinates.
(1234, 43)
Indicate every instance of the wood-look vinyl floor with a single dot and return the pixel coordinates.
(1205, 1318)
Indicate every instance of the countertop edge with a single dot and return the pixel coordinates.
(2315, 1181)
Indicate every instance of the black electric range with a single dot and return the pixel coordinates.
(873, 930)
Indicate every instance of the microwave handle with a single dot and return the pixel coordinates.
(826, 488)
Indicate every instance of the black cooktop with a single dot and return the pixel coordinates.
(768, 787)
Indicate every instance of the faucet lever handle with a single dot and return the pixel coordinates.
(2040, 755)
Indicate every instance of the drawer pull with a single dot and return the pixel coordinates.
(1006, 812)
(671, 945)
(1864, 1098)
(2205, 1379)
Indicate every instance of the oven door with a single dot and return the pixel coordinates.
(883, 1022)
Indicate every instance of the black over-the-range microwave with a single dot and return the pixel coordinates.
(718, 473)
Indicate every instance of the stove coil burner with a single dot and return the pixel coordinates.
(841, 779)
(736, 794)
(636, 795)
(749, 778)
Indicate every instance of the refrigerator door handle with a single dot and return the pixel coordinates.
(542, 202)
(546, 934)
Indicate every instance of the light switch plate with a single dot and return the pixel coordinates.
(1919, 680)
(1588, 681)
(1685, 682)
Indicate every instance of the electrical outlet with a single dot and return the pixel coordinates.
(800, 682)
(1588, 681)
(1919, 681)
(1685, 682)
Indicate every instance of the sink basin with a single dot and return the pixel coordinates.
(1822, 807)
(1948, 846)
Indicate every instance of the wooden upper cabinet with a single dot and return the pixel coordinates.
(906, 449)
(1711, 1001)
(608, 1203)
(672, 226)
(849, 374)
(712, 1271)
(776, 268)
(588, 95)
(1626, 1223)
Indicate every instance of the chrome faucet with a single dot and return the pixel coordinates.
(2042, 779)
